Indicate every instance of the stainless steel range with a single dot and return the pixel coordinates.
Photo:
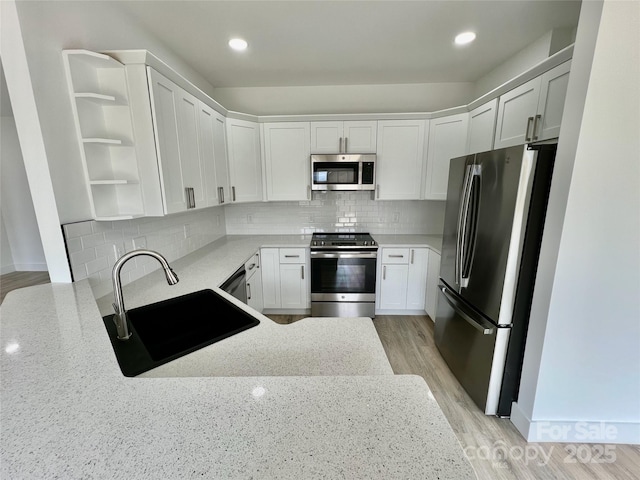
(343, 275)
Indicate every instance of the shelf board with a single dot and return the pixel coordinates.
(114, 182)
(105, 141)
(97, 60)
(96, 97)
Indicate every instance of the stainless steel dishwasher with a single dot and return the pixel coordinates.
(236, 285)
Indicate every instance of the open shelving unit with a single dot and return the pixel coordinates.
(100, 103)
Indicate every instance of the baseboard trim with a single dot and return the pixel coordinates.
(7, 269)
(31, 267)
(574, 431)
(400, 312)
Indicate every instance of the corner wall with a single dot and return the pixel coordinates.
(581, 373)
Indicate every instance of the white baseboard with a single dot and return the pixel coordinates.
(574, 431)
(400, 312)
(7, 269)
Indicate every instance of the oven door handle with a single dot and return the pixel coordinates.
(344, 255)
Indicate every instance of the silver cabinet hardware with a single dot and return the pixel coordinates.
(384, 272)
(248, 291)
(309, 192)
(378, 191)
(412, 255)
(191, 198)
(340, 146)
(252, 266)
(535, 127)
(292, 256)
(526, 134)
(396, 256)
(345, 144)
(220, 195)
(233, 194)
(302, 271)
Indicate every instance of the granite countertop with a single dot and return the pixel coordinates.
(312, 405)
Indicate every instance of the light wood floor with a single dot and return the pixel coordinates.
(15, 280)
(495, 448)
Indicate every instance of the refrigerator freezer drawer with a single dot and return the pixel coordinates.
(474, 353)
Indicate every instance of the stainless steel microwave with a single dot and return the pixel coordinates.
(343, 172)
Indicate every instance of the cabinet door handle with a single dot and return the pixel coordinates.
(340, 146)
(526, 134)
(248, 291)
(221, 195)
(302, 271)
(191, 199)
(535, 127)
(345, 144)
(378, 191)
(412, 255)
(384, 272)
(233, 193)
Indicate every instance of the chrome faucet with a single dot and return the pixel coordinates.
(120, 318)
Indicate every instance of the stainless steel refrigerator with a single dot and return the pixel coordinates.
(494, 218)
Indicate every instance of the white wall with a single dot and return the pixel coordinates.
(48, 28)
(335, 99)
(6, 257)
(548, 44)
(582, 361)
(18, 215)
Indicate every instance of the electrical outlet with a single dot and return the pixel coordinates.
(187, 231)
(249, 218)
(140, 242)
(396, 217)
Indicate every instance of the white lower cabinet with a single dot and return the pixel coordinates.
(285, 278)
(433, 275)
(402, 279)
(254, 283)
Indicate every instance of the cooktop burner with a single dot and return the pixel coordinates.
(342, 240)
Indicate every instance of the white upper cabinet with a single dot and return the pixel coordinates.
(245, 167)
(482, 127)
(213, 151)
(447, 140)
(344, 137)
(523, 111)
(165, 98)
(401, 149)
(287, 164)
(190, 160)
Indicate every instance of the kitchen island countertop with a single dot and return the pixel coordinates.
(68, 411)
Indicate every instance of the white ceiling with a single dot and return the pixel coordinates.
(334, 42)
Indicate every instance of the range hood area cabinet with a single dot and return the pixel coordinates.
(344, 137)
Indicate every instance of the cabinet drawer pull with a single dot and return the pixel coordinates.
(396, 256)
(252, 266)
(292, 256)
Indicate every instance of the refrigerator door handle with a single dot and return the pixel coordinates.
(466, 257)
(486, 328)
(461, 220)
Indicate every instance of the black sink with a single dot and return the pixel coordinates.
(167, 330)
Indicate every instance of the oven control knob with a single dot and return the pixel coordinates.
(322, 242)
(366, 243)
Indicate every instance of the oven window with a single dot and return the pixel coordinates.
(343, 275)
(329, 173)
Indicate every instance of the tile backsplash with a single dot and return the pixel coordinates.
(336, 212)
(94, 247)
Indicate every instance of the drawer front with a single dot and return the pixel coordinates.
(395, 255)
(292, 255)
(252, 264)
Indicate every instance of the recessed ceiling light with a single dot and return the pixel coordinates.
(238, 44)
(464, 38)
